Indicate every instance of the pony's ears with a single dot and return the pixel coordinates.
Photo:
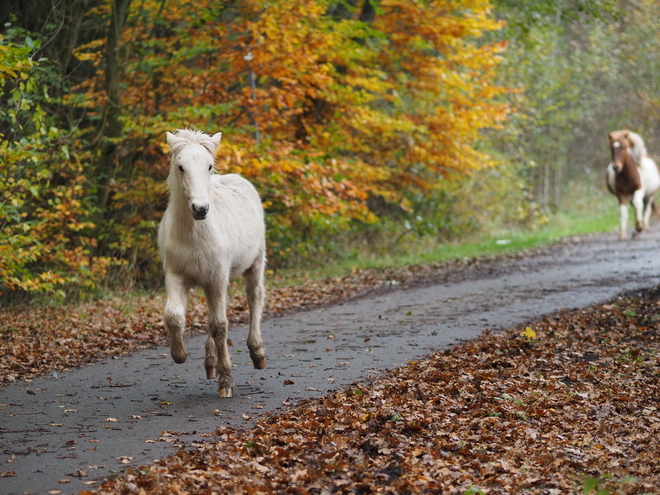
(216, 138)
(177, 141)
(174, 142)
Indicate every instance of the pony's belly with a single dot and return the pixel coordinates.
(650, 177)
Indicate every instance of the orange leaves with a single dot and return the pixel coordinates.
(432, 48)
(390, 94)
(311, 183)
(321, 108)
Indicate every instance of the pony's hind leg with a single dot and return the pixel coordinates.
(217, 359)
(174, 316)
(648, 210)
(638, 204)
(256, 295)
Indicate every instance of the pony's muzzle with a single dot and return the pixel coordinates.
(199, 212)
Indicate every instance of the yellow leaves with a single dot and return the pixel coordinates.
(343, 110)
(42, 282)
(346, 88)
(14, 61)
(43, 246)
(528, 333)
(91, 52)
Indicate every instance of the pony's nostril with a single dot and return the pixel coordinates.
(199, 212)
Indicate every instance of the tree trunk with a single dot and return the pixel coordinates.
(112, 128)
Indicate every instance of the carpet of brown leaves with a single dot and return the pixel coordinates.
(39, 340)
(570, 404)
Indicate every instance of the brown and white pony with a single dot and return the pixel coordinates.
(632, 177)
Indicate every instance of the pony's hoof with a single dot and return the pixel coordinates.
(226, 386)
(211, 372)
(258, 358)
(179, 356)
(226, 392)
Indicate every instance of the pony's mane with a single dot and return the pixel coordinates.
(186, 137)
(637, 147)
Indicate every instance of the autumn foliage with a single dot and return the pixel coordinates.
(45, 227)
(323, 105)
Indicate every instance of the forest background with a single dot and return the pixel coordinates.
(366, 125)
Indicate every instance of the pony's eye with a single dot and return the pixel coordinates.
(181, 168)
(210, 167)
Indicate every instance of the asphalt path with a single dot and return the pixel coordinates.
(69, 431)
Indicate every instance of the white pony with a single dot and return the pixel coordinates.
(632, 177)
(211, 233)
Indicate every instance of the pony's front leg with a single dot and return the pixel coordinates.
(638, 204)
(256, 296)
(174, 316)
(217, 354)
(623, 220)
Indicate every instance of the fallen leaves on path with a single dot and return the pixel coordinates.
(566, 404)
(39, 340)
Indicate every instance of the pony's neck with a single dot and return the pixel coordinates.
(629, 161)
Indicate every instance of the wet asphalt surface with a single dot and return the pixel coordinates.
(91, 423)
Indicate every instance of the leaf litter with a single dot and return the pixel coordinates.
(40, 340)
(569, 403)
(565, 404)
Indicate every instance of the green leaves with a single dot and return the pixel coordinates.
(44, 227)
